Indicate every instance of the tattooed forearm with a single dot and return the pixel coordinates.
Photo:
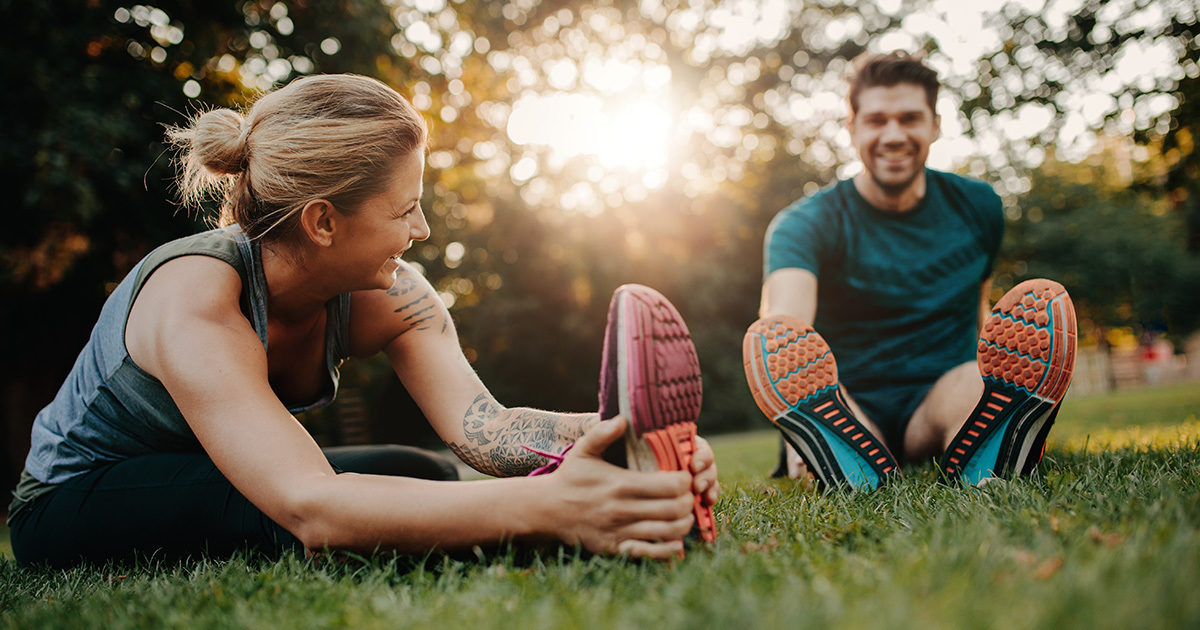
(495, 436)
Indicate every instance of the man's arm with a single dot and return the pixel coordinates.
(410, 323)
(985, 302)
(791, 291)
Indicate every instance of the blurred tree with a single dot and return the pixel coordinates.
(1106, 68)
(79, 153)
(1122, 252)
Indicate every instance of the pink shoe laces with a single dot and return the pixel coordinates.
(554, 463)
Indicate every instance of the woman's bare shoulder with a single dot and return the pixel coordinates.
(194, 283)
(182, 290)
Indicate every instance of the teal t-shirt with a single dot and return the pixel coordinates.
(897, 293)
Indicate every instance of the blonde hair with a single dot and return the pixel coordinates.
(330, 137)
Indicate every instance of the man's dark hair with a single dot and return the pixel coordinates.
(875, 70)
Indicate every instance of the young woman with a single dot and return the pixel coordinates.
(174, 431)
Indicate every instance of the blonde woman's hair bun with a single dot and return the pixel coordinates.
(218, 138)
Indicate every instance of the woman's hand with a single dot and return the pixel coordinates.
(608, 509)
(704, 471)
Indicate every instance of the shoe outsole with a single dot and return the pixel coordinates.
(1026, 355)
(651, 376)
(793, 377)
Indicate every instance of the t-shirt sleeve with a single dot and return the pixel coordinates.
(795, 239)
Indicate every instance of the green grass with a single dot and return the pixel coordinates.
(1159, 406)
(1106, 537)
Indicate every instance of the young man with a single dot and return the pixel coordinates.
(893, 268)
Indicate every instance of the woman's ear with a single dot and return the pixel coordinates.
(318, 219)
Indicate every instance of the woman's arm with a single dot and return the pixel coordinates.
(494, 437)
(411, 324)
(188, 331)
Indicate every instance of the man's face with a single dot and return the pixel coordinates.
(892, 130)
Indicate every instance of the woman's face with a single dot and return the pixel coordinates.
(387, 224)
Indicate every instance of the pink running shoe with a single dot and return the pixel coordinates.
(650, 375)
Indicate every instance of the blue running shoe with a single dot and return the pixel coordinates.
(793, 377)
(1026, 354)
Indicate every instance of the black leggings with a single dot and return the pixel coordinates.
(177, 505)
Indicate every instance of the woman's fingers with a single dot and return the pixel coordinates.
(652, 485)
(708, 488)
(664, 530)
(654, 550)
(640, 514)
(704, 480)
(634, 511)
(703, 458)
(704, 467)
(596, 440)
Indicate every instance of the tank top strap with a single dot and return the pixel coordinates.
(338, 328)
(254, 295)
(231, 245)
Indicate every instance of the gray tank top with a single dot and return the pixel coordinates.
(109, 409)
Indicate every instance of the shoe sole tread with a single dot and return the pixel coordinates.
(659, 388)
(1026, 356)
(794, 381)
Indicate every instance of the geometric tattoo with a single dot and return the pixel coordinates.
(496, 436)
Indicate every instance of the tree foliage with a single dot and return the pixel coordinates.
(1120, 250)
(1110, 68)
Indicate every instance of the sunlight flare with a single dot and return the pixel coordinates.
(630, 136)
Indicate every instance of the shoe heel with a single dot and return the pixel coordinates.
(673, 449)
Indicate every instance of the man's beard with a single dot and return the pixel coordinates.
(894, 189)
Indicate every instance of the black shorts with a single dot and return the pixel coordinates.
(177, 505)
(891, 407)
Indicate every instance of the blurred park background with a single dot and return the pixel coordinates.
(576, 146)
